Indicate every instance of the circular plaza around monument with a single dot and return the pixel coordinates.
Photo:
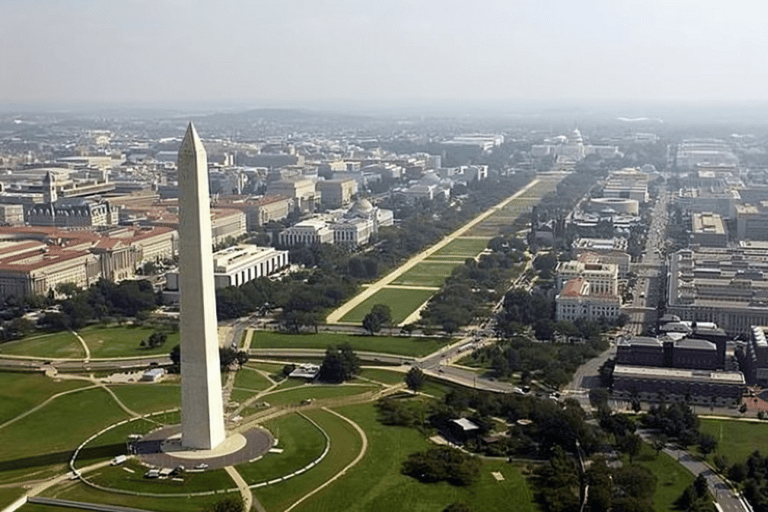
(162, 448)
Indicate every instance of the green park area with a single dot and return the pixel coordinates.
(20, 392)
(672, 478)
(462, 248)
(102, 342)
(384, 376)
(39, 444)
(248, 379)
(58, 345)
(401, 302)
(376, 482)
(736, 440)
(146, 397)
(123, 341)
(401, 345)
(301, 443)
(427, 273)
(345, 445)
(297, 395)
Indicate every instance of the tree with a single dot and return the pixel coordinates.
(631, 444)
(414, 379)
(442, 464)
(156, 339)
(175, 354)
(659, 442)
(457, 506)
(379, 316)
(232, 503)
(707, 443)
(340, 364)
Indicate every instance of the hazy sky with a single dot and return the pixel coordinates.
(389, 51)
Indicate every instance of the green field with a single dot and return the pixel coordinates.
(44, 440)
(345, 446)
(123, 341)
(402, 303)
(58, 345)
(377, 484)
(427, 274)
(118, 477)
(20, 392)
(250, 379)
(9, 494)
(318, 392)
(301, 442)
(80, 492)
(672, 477)
(103, 342)
(737, 439)
(387, 344)
(148, 397)
(463, 247)
(383, 376)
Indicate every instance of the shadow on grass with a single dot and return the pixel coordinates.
(48, 459)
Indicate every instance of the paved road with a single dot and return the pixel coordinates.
(728, 500)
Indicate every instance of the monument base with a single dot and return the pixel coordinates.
(162, 448)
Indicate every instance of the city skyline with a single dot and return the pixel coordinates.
(380, 56)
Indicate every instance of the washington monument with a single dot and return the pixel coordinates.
(202, 411)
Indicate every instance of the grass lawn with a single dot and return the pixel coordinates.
(345, 445)
(241, 395)
(290, 383)
(148, 397)
(736, 439)
(251, 379)
(123, 341)
(45, 439)
(112, 442)
(466, 247)
(401, 302)
(271, 368)
(436, 388)
(376, 483)
(386, 344)
(427, 274)
(318, 392)
(9, 494)
(301, 442)
(672, 477)
(117, 477)
(63, 345)
(20, 392)
(383, 376)
(78, 491)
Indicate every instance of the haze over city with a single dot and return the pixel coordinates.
(380, 55)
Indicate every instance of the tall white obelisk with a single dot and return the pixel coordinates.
(202, 411)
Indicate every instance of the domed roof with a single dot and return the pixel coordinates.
(361, 206)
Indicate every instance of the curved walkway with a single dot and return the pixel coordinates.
(242, 486)
(43, 404)
(358, 299)
(357, 459)
(84, 344)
